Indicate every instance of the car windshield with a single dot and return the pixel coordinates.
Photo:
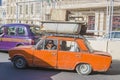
(35, 30)
(88, 45)
(39, 43)
(112, 35)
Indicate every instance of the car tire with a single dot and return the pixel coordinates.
(19, 62)
(84, 69)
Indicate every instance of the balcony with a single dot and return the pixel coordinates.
(77, 4)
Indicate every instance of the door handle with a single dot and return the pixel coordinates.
(53, 54)
(77, 55)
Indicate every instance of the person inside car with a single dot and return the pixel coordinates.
(63, 46)
(50, 45)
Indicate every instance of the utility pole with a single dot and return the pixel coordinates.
(109, 12)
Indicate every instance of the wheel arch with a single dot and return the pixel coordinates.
(17, 56)
(81, 71)
(82, 63)
(18, 44)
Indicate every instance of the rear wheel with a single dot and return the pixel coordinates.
(19, 62)
(84, 69)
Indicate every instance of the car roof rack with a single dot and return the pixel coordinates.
(64, 27)
(81, 22)
(65, 35)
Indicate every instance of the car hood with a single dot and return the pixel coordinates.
(102, 53)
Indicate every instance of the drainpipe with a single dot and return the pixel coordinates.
(17, 13)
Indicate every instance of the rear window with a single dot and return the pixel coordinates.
(21, 31)
(35, 30)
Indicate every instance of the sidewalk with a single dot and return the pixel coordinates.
(4, 57)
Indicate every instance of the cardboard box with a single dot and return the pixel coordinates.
(58, 15)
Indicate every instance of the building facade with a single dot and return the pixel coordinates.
(94, 12)
(25, 11)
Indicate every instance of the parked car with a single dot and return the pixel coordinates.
(112, 35)
(12, 35)
(68, 53)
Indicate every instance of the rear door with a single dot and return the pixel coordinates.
(9, 38)
(45, 57)
(68, 54)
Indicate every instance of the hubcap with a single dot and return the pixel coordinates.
(19, 62)
(84, 68)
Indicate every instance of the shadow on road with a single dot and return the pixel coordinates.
(2, 51)
(114, 70)
(8, 72)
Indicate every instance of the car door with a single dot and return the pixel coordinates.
(9, 38)
(45, 57)
(68, 54)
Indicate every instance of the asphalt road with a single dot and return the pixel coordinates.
(8, 72)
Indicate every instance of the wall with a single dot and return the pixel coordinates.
(111, 46)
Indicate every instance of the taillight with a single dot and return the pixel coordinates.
(33, 42)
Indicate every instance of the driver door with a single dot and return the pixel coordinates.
(44, 57)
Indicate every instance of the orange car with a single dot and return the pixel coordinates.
(60, 52)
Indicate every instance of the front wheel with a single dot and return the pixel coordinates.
(19, 62)
(84, 69)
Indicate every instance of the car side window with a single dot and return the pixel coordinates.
(40, 45)
(21, 31)
(50, 44)
(1, 31)
(69, 46)
(117, 35)
(11, 31)
(47, 44)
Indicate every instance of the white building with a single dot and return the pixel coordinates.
(94, 12)
(25, 11)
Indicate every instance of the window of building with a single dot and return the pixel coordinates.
(38, 8)
(91, 22)
(116, 23)
(26, 21)
(19, 21)
(26, 9)
(11, 8)
(20, 6)
(31, 22)
(31, 8)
